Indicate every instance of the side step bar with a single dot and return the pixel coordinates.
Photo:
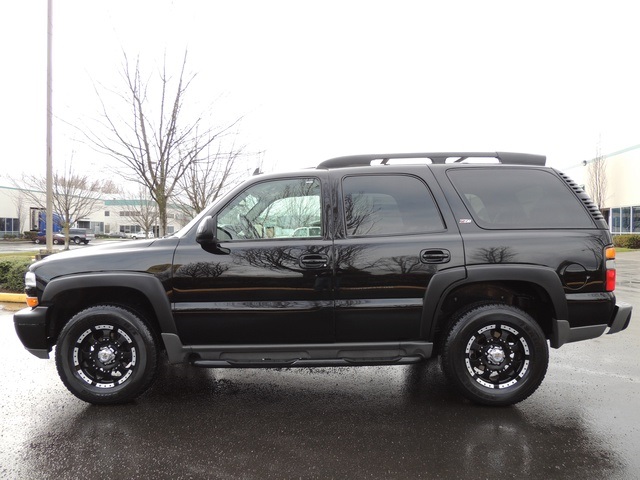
(329, 362)
(296, 355)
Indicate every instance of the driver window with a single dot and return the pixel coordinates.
(271, 210)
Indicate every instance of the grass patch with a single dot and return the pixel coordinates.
(18, 255)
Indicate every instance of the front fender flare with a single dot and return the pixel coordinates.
(146, 284)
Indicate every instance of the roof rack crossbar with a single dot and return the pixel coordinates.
(507, 158)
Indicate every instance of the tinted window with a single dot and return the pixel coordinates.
(503, 198)
(389, 205)
(274, 209)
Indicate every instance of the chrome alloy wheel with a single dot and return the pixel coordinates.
(497, 356)
(104, 356)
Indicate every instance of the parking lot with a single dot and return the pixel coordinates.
(24, 246)
(367, 422)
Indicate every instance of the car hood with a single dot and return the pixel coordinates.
(150, 256)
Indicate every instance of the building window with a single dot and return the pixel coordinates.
(635, 215)
(106, 213)
(130, 229)
(9, 226)
(625, 220)
(615, 220)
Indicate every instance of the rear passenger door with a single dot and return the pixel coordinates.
(391, 238)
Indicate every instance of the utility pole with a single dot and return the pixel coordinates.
(49, 220)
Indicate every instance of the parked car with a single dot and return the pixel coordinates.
(307, 232)
(76, 235)
(482, 264)
(41, 238)
(137, 235)
(80, 235)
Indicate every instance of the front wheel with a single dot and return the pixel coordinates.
(106, 354)
(495, 354)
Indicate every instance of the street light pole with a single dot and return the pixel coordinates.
(49, 219)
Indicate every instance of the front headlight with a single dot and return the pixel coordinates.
(30, 280)
(30, 284)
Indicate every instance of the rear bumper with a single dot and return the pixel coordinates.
(621, 317)
(564, 333)
(31, 327)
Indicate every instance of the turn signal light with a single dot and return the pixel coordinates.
(610, 264)
(32, 302)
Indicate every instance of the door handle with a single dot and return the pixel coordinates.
(435, 255)
(313, 260)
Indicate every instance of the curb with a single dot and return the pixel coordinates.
(13, 297)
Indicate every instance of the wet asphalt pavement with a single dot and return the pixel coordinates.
(366, 422)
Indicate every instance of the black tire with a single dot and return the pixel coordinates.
(37, 241)
(77, 240)
(56, 241)
(495, 354)
(106, 354)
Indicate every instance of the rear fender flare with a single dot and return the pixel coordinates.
(443, 283)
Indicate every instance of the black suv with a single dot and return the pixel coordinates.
(479, 258)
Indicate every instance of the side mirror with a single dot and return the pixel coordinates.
(206, 233)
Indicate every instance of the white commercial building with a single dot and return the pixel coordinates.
(621, 202)
(18, 213)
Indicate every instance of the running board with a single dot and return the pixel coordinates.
(329, 362)
(296, 355)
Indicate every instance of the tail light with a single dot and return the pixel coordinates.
(610, 265)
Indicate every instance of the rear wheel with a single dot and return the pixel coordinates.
(77, 240)
(106, 354)
(495, 354)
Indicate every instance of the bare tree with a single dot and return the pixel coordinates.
(155, 142)
(109, 187)
(597, 178)
(142, 210)
(19, 202)
(74, 196)
(220, 169)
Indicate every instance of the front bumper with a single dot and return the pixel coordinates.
(31, 327)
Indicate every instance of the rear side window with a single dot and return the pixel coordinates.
(507, 198)
(389, 205)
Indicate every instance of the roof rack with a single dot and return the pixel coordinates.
(506, 158)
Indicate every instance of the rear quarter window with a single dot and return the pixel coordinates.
(518, 198)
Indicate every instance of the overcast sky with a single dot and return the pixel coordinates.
(316, 80)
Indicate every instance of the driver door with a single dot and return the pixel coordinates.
(263, 285)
